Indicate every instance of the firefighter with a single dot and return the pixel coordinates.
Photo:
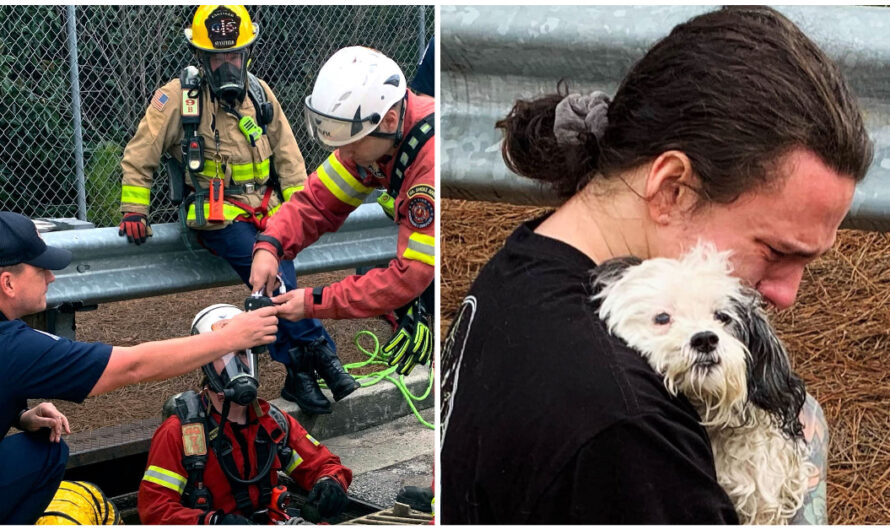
(382, 135)
(38, 365)
(196, 476)
(223, 131)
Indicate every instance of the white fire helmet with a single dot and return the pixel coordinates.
(353, 91)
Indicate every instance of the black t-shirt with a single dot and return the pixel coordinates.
(549, 419)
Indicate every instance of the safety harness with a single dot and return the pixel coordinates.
(422, 132)
(196, 421)
(417, 137)
(193, 161)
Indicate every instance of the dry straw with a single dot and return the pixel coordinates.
(837, 334)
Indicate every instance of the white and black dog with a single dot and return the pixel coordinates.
(709, 338)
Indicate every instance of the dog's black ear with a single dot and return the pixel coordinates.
(772, 385)
(610, 271)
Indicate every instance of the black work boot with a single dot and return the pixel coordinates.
(301, 385)
(329, 367)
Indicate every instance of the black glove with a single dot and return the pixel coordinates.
(229, 519)
(329, 496)
(412, 342)
(135, 227)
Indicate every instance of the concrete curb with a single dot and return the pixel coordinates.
(364, 408)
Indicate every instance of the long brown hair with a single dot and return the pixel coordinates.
(735, 89)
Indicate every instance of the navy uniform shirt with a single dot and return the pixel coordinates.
(38, 365)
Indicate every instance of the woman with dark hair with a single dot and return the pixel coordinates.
(736, 129)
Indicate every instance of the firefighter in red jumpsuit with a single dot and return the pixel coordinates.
(186, 481)
(382, 134)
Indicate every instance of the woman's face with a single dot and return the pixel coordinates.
(774, 233)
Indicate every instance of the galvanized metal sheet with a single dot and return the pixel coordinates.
(106, 268)
(493, 55)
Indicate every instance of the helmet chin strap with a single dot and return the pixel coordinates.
(397, 135)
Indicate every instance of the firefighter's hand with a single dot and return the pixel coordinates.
(264, 272)
(135, 226)
(291, 305)
(46, 415)
(252, 328)
(411, 344)
(329, 496)
(230, 519)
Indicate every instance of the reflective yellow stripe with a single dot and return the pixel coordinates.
(135, 194)
(287, 192)
(295, 460)
(421, 247)
(240, 172)
(230, 212)
(165, 477)
(311, 439)
(341, 183)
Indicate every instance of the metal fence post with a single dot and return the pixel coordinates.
(421, 33)
(75, 111)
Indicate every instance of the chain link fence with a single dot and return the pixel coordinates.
(67, 112)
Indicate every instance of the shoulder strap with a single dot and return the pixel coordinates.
(422, 131)
(279, 418)
(260, 101)
(285, 453)
(190, 411)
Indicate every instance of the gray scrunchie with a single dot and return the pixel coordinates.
(577, 114)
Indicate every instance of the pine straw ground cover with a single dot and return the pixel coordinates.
(837, 334)
(134, 321)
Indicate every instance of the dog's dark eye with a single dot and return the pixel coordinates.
(662, 319)
(722, 317)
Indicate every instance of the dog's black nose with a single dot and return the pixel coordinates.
(704, 341)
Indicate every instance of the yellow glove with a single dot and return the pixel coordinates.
(412, 343)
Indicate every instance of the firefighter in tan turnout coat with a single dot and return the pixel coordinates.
(223, 133)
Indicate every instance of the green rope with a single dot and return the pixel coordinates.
(377, 358)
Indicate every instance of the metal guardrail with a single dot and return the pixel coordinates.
(105, 268)
(491, 56)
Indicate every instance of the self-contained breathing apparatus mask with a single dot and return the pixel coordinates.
(234, 375)
(222, 38)
(226, 73)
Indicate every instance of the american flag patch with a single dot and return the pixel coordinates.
(159, 101)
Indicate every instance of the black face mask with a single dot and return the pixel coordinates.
(236, 382)
(227, 82)
(241, 390)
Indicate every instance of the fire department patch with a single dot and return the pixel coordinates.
(222, 27)
(421, 211)
(159, 101)
(193, 442)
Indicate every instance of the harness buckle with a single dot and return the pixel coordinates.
(250, 187)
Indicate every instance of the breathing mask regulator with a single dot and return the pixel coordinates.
(222, 37)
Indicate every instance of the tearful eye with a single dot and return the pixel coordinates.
(662, 318)
(722, 317)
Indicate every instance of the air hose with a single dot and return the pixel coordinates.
(377, 358)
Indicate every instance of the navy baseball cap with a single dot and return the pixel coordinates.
(21, 243)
